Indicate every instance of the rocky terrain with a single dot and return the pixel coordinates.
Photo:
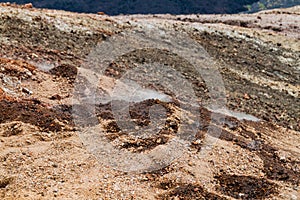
(253, 150)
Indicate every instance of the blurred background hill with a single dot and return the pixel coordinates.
(271, 4)
(115, 7)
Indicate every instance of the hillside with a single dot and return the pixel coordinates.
(271, 4)
(149, 106)
(114, 7)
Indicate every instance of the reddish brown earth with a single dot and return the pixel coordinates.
(43, 157)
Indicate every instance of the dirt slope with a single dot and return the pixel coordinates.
(255, 153)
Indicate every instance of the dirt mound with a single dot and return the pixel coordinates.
(66, 71)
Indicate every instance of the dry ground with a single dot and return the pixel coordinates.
(43, 157)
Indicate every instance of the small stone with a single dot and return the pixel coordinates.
(246, 96)
(28, 5)
(159, 140)
(241, 195)
(282, 158)
(196, 142)
(55, 97)
(144, 179)
(34, 55)
(27, 91)
(28, 142)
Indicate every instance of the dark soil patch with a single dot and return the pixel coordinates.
(140, 111)
(112, 127)
(186, 192)
(34, 113)
(274, 167)
(139, 117)
(4, 182)
(132, 143)
(156, 174)
(278, 169)
(104, 111)
(142, 145)
(66, 71)
(246, 187)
